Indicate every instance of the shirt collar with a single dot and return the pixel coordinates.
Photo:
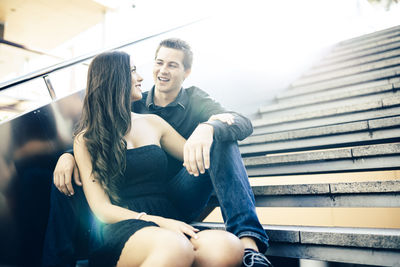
(181, 100)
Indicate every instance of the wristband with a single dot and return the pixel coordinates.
(140, 215)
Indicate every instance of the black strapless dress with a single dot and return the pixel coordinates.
(143, 190)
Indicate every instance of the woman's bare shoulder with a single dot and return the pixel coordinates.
(79, 140)
(145, 117)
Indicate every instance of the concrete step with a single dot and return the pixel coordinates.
(333, 129)
(387, 45)
(371, 88)
(381, 63)
(368, 36)
(373, 42)
(353, 133)
(357, 158)
(329, 110)
(343, 190)
(335, 98)
(323, 142)
(387, 73)
(339, 244)
(347, 237)
(321, 108)
(328, 154)
(360, 194)
(327, 188)
(361, 57)
(264, 126)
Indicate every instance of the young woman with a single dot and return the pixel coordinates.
(121, 160)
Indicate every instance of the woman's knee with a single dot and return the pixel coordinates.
(218, 248)
(174, 247)
(154, 246)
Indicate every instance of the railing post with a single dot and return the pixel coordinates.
(49, 87)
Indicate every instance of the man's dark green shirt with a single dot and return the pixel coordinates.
(191, 107)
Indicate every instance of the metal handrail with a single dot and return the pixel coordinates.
(77, 60)
(23, 47)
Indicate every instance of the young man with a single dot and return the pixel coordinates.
(212, 160)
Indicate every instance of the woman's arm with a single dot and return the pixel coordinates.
(170, 140)
(101, 205)
(97, 198)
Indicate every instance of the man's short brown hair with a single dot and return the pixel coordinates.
(179, 44)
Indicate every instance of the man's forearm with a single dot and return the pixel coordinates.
(239, 130)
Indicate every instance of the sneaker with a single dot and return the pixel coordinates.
(253, 258)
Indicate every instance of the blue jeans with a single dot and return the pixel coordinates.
(70, 218)
(228, 177)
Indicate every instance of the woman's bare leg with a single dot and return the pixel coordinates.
(216, 248)
(154, 246)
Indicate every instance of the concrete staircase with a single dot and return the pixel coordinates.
(341, 118)
(328, 147)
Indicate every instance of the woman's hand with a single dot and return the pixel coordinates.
(174, 225)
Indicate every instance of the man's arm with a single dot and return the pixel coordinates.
(218, 124)
(196, 152)
(238, 130)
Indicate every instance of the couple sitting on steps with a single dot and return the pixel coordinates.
(144, 167)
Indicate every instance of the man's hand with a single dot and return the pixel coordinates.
(224, 117)
(65, 168)
(196, 152)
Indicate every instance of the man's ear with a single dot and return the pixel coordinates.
(187, 73)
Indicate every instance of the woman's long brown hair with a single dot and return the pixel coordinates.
(106, 118)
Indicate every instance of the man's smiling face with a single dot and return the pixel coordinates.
(169, 72)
